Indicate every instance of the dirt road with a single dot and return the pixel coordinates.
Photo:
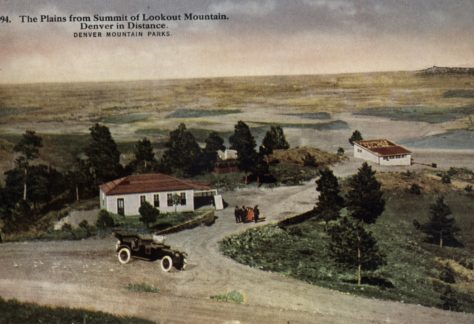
(87, 274)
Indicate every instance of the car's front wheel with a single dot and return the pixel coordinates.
(124, 255)
(166, 263)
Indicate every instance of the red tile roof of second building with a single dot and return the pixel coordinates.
(383, 147)
(153, 182)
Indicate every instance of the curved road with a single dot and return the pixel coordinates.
(87, 274)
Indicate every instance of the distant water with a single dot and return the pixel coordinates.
(454, 140)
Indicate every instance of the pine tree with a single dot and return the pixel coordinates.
(28, 148)
(274, 140)
(183, 153)
(214, 143)
(441, 226)
(352, 247)
(330, 201)
(103, 156)
(144, 156)
(364, 200)
(243, 141)
(356, 136)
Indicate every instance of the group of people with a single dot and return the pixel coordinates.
(246, 214)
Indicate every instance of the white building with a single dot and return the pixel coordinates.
(228, 154)
(124, 196)
(382, 151)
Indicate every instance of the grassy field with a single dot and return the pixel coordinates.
(414, 270)
(13, 311)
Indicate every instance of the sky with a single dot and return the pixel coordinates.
(264, 37)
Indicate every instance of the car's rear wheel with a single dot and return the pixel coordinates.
(124, 255)
(166, 263)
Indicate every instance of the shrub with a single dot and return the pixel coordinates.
(445, 178)
(340, 151)
(148, 213)
(447, 275)
(66, 227)
(449, 300)
(309, 160)
(468, 188)
(105, 220)
(232, 296)
(415, 189)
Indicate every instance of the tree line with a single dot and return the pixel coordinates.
(32, 187)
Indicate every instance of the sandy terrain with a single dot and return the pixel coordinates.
(87, 274)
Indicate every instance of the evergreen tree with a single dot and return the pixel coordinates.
(364, 200)
(28, 148)
(330, 201)
(442, 226)
(144, 157)
(214, 143)
(356, 136)
(183, 153)
(352, 247)
(103, 155)
(274, 140)
(261, 168)
(80, 179)
(148, 213)
(243, 141)
(104, 220)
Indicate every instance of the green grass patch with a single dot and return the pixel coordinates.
(459, 93)
(412, 273)
(197, 113)
(231, 297)
(142, 287)
(13, 311)
(431, 115)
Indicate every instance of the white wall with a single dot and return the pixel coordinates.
(132, 202)
(362, 153)
(404, 160)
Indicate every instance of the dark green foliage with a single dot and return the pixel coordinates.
(340, 151)
(103, 155)
(353, 247)
(274, 140)
(29, 145)
(364, 199)
(144, 157)
(330, 201)
(441, 226)
(309, 161)
(262, 168)
(80, 179)
(356, 136)
(104, 220)
(449, 300)
(148, 213)
(445, 178)
(19, 218)
(13, 311)
(468, 188)
(183, 153)
(214, 143)
(243, 141)
(447, 275)
(415, 189)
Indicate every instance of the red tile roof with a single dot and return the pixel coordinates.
(383, 147)
(152, 182)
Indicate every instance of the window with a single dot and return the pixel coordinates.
(170, 199)
(142, 200)
(359, 150)
(182, 199)
(156, 200)
(120, 206)
(385, 158)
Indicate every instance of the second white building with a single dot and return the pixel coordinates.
(383, 152)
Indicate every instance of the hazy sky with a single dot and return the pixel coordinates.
(264, 37)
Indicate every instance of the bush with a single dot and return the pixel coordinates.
(446, 179)
(415, 189)
(66, 227)
(105, 220)
(468, 188)
(447, 275)
(148, 213)
(340, 151)
(309, 160)
(232, 296)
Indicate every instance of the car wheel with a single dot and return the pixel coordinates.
(166, 263)
(124, 255)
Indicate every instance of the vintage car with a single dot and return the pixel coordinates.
(148, 247)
